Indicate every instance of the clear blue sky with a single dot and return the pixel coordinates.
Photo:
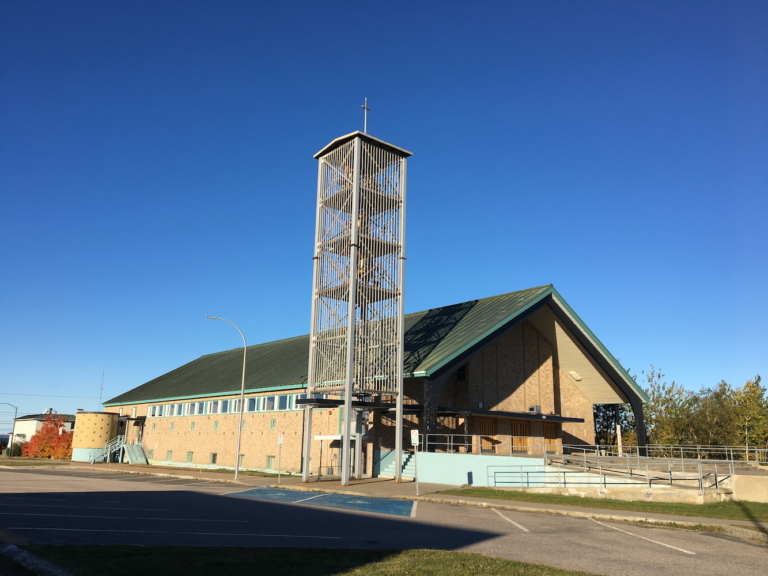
(156, 166)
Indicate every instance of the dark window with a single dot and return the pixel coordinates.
(461, 373)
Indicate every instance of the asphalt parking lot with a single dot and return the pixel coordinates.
(91, 507)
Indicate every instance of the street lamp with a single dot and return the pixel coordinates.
(242, 396)
(13, 432)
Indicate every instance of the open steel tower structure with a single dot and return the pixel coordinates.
(356, 340)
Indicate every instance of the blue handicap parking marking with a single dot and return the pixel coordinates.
(329, 500)
(364, 504)
(272, 495)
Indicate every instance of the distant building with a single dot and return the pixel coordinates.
(24, 427)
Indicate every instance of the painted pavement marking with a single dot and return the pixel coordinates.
(510, 521)
(179, 533)
(86, 507)
(330, 500)
(118, 517)
(413, 510)
(644, 538)
(310, 498)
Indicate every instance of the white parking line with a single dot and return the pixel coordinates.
(38, 499)
(167, 532)
(119, 517)
(644, 538)
(510, 521)
(310, 498)
(413, 510)
(84, 507)
(238, 491)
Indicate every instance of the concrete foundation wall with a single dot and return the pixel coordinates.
(83, 454)
(750, 488)
(460, 469)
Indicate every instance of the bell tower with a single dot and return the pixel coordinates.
(356, 335)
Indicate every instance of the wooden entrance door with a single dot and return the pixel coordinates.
(551, 434)
(487, 434)
(521, 433)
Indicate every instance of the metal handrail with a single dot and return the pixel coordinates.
(495, 444)
(109, 447)
(542, 474)
(684, 451)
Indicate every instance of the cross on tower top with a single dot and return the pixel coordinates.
(365, 122)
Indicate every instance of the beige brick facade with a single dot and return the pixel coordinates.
(217, 434)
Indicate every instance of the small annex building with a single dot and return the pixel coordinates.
(517, 365)
(24, 427)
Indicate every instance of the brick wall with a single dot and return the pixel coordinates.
(257, 442)
(576, 405)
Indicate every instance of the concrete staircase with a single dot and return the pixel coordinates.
(409, 467)
(134, 453)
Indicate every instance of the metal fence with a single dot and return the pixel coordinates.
(683, 452)
(500, 445)
(601, 476)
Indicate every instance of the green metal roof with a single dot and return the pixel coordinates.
(433, 338)
(41, 417)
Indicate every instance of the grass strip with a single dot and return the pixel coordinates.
(204, 561)
(749, 511)
(9, 567)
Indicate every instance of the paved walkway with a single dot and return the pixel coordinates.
(387, 488)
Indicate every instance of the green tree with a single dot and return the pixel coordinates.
(715, 416)
(669, 411)
(752, 417)
(607, 416)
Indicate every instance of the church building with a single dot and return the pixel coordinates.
(498, 375)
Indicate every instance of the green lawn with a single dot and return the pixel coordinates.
(205, 561)
(752, 511)
(10, 568)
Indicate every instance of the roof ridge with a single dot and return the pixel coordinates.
(283, 363)
(543, 286)
(255, 345)
(409, 314)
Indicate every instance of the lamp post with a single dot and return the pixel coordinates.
(13, 432)
(242, 396)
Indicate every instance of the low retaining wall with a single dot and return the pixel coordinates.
(460, 469)
(752, 488)
(84, 454)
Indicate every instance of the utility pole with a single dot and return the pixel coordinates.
(101, 389)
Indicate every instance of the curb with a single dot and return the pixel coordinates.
(31, 562)
(744, 533)
(222, 480)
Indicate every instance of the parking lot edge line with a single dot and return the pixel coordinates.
(644, 538)
(510, 520)
(413, 510)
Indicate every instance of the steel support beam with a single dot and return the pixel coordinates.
(637, 410)
(401, 332)
(432, 390)
(359, 445)
(307, 448)
(352, 321)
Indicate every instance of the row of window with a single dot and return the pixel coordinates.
(272, 425)
(255, 404)
(211, 459)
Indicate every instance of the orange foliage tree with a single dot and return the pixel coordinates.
(51, 441)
